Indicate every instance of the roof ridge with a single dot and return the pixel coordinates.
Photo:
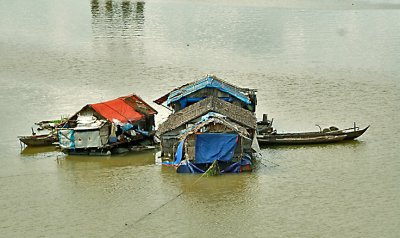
(204, 106)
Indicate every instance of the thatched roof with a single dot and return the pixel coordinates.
(211, 104)
(233, 126)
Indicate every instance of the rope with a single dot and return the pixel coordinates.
(276, 165)
(156, 209)
(174, 198)
(261, 161)
(148, 214)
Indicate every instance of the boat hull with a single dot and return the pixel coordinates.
(282, 139)
(38, 140)
(309, 137)
(352, 134)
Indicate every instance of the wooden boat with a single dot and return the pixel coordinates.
(298, 139)
(328, 135)
(48, 139)
(38, 140)
(351, 133)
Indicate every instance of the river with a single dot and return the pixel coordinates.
(313, 62)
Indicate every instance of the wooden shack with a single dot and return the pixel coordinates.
(212, 121)
(102, 126)
(193, 92)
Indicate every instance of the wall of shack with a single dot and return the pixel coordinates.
(169, 142)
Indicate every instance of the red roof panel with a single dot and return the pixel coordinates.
(117, 109)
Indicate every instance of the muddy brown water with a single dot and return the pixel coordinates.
(313, 62)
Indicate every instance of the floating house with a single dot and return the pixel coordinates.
(102, 127)
(213, 125)
(193, 92)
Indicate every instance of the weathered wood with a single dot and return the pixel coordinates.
(310, 137)
(211, 104)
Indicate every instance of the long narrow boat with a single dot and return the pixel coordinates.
(351, 133)
(38, 140)
(310, 137)
(297, 139)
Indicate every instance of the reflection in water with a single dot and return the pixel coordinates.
(203, 188)
(29, 151)
(306, 71)
(87, 162)
(117, 19)
(109, 6)
(95, 8)
(112, 172)
(342, 145)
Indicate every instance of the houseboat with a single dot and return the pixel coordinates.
(213, 126)
(106, 127)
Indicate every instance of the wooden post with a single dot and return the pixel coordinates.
(265, 118)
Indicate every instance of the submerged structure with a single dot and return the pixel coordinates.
(213, 126)
(103, 128)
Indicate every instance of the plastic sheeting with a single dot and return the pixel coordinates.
(77, 139)
(189, 168)
(254, 144)
(215, 146)
(207, 82)
(66, 138)
(185, 101)
(179, 153)
(241, 166)
(127, 127)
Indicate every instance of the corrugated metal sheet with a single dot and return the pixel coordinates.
(207, 82)
(117, 109)
(124, 109)
(78, 138)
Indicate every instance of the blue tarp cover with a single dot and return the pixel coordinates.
(127, 127)
(179, 153)
(188, 167)
(207, 82)
(215, 146)
(185, 101)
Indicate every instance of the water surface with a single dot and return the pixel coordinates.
(313, 62)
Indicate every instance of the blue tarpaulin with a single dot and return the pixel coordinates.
(189, 168)
(127, 127)
(207, 82)
(179, 153)
(233, 168)
(185, 101)
(215, 146)
(236, 167)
